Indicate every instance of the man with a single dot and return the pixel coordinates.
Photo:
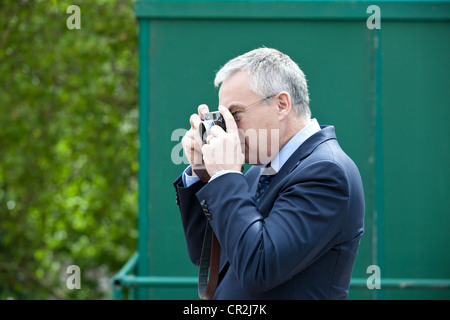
(290, 227)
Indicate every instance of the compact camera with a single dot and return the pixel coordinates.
(208, 121)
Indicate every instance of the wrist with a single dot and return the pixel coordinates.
(222, 172)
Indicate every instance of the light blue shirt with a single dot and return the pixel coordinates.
(276, 163)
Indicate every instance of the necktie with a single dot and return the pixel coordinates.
(267, 174)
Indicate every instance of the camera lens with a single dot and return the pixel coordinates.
(208, 121)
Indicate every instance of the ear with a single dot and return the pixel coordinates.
(284, 105)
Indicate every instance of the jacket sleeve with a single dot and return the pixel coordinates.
(192, 217)
(304, 222)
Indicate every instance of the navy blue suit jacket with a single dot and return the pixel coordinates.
(299, 241)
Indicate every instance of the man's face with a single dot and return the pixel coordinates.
(259, 124)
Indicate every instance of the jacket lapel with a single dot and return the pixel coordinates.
(252, 177)
(326, 133)
(303, 151)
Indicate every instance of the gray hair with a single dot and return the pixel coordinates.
(271, 72)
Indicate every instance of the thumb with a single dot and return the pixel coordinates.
(202, 110)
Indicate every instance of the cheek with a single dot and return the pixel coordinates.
(257, 132)
(265, 120)
(272, 120)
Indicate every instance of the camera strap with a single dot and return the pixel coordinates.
(210, 259)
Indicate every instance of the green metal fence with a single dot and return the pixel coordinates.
(386, 91)
(125, 283)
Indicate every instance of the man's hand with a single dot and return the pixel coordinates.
(223, 149)
(192, 145)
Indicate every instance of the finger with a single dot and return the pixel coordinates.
(209, 138)
(202, 109)
(194, 120)
(190, 135)
(229, 120)
(216, 131)
(193, 140)
(188, 141)
(206, 151)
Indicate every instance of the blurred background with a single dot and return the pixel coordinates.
(91, 121)
(68, 146)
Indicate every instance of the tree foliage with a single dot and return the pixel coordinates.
(68, 146)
